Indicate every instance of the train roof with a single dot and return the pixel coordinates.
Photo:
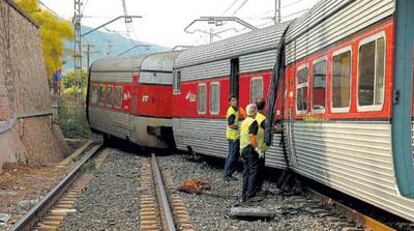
(330, 21)
(249, 43)
(152, 68)
(158, 68)
(116, 64)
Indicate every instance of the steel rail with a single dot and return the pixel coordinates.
(366, 221)
(165, 206)
(28, 221)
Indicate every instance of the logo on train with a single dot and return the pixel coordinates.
(191, 97)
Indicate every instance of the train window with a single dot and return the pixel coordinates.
(94, 95)
(202, 98)
(341, 81)
(302, 90)
(109, 96)
(256, 88)
(101, 98)
(177, 82)
(214, 98)
(371, 69)
(118, 96)
(319, 85)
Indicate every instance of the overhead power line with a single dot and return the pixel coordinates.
(231, 5)
(51, 11)
(241, 6)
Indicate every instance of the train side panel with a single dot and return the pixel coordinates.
(348, 144)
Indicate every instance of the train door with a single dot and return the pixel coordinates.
(134, 95)
(402, 121)
(234, 78)
(290, 113)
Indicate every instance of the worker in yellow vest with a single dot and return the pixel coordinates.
(250, 152)
(261, 120)
(234, 115)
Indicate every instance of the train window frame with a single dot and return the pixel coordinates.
(100, 101)
(106, 95)
(317, 61)
(204, 85)
(121, 96)
(218, 98)
(94, 87)
(336, 53)
(299, 68)
(256, 78)
(377, 36)
(177, 78)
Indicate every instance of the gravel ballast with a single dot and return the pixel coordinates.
(110, 201)
(210, 212)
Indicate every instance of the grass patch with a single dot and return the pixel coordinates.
(72, 119)
(88, 167)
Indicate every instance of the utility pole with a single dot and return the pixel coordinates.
(78, 44)
(89, 50)
(278, 9)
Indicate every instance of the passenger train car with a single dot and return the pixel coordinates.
(344, 95)
(129, 98)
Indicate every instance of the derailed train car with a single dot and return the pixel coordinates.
(204, 78)
(346, 124)
(129, 98)
(345, 97)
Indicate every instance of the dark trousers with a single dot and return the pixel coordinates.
(260, 174)
(232, 158)
(251, 164)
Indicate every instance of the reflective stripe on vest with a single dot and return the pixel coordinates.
(261, 132)
(244, 132)
(232, 134)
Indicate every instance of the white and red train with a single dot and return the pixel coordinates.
(344, 95)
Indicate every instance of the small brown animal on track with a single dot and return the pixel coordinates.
(194, 186)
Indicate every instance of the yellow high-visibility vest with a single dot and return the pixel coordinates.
(244, 132)
(261, 132)
(232, 134)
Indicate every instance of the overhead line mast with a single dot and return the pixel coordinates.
(278, 9)
(77, 54)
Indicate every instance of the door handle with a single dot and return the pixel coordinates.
(396, 99)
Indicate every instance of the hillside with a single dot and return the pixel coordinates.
(106, 44)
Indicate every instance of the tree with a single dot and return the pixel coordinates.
(71, 82)
(53, 31)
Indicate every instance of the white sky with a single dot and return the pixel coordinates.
(164, 21)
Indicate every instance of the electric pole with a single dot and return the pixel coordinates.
(77, 54)
(278, 16)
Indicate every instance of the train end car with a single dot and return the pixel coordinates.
(128, 98)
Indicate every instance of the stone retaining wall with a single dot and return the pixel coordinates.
(24, 90)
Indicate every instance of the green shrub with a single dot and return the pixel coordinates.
(72, 119)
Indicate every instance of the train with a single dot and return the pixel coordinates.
(339, 79)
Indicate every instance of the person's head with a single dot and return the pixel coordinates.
(251, 110)
(233, 100)
(260, 103)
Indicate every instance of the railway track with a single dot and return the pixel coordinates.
(160, 210)
(52, 209)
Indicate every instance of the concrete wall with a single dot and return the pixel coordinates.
(24, 91)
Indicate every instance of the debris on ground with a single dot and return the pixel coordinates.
(194, 186)
(251, 213)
